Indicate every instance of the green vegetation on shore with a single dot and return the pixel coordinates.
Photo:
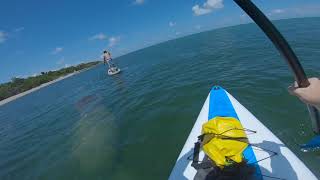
(19, 85)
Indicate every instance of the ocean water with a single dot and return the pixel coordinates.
(133, 125)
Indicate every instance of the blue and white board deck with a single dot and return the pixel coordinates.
(284, 165)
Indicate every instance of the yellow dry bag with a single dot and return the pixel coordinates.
(224, 140)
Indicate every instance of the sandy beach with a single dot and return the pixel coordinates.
(12, 98)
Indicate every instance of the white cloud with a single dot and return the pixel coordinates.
(19, 29)
(306, 10)
(198, 11)
(171, 24)
(276, 12)
(113, 41)
(3, 36)
(207, 7)
(99, 36)
(139, 2)
(57, 50)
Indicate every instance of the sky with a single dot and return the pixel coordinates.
(43, 35)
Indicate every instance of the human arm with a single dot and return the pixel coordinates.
(310, 94)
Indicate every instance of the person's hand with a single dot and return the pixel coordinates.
(310, 94)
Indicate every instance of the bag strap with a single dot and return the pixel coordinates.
(195, 160)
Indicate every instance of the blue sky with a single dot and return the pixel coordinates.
(43, 35)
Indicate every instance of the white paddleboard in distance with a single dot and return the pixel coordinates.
(113, 71)
(283, 165)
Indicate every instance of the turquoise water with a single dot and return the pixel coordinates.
(133, 126)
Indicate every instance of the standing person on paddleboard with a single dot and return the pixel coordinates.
(107, 58)
(113, 69)
(310, 94)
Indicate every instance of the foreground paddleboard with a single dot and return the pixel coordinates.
(271, 158)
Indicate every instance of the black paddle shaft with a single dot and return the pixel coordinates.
(282, 45)
(278, 40)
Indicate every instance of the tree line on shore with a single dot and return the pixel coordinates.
(19, 85)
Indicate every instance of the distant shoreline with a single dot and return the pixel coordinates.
(12, 98)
